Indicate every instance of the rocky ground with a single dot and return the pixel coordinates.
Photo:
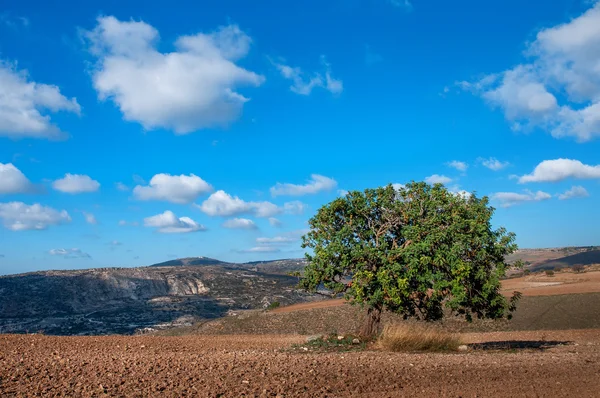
(567, 364)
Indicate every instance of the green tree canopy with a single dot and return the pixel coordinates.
(414, 251)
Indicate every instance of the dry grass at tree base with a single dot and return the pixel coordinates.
(412, 337)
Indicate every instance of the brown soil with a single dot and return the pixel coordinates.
(308, 306)
(234, 366)
(560, 283)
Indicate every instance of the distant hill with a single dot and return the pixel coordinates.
(279, 267)
(129, 300)
(588, 257)
(190, 262)
(283, 266)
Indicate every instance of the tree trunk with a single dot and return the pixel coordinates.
(371, 323)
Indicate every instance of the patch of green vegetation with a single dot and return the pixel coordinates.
(331, 343)
(273, 305)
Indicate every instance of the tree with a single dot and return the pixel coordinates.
(415, 251)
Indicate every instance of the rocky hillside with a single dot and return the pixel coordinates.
(130, 300)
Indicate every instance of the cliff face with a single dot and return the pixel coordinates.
(101, 301)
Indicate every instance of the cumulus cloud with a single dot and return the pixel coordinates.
(458, 165)
(17, 216)
(303, 83)
(558, 88)
(13, 181)
(25, 105)
(275, 222)
(69, 253)
(239, 223)
(90, 218)
(316, 184)
(277, 240)
(295, 207)
(508, 199)
(76, 183)
(191, 88)
(222, 204)
(561, 169)
(180, 189)
(575, 192)
(397, 186)
(493, 163)
(438, 179)
(455, 189)
(169, 223)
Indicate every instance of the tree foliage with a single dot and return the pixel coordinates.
(414, 251)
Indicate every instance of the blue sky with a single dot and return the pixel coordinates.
(133, 133)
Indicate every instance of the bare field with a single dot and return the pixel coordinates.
(560, 283)
(261, 366)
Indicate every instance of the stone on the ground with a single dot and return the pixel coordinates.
(356, 341)
(463, 347)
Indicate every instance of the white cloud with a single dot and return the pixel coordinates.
(76, 183)
(69, 253)
(124, 223)
(316, 184)
(191, 88)
(180, 189)
(25, 105)
(438, 179)
(168, 223)
(90, 218)
(458, 165)
(18, 216)
(574, 192)
(455, 189)
(121, 187)
(277, 240)
(561, 169)
(239, 223)
(558, 89)
(13, 21)
(12, 180)
(303, 83)
(295, 207)
(275, 222)
(493, 164)
(507, 199)
(115, 243)
(222, 204)
(264, 209)
(342, 192)
(397, 186)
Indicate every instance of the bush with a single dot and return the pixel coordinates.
(273, 305)
(578, 268)
(526, 272)
(414, 337)
(549, 272)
